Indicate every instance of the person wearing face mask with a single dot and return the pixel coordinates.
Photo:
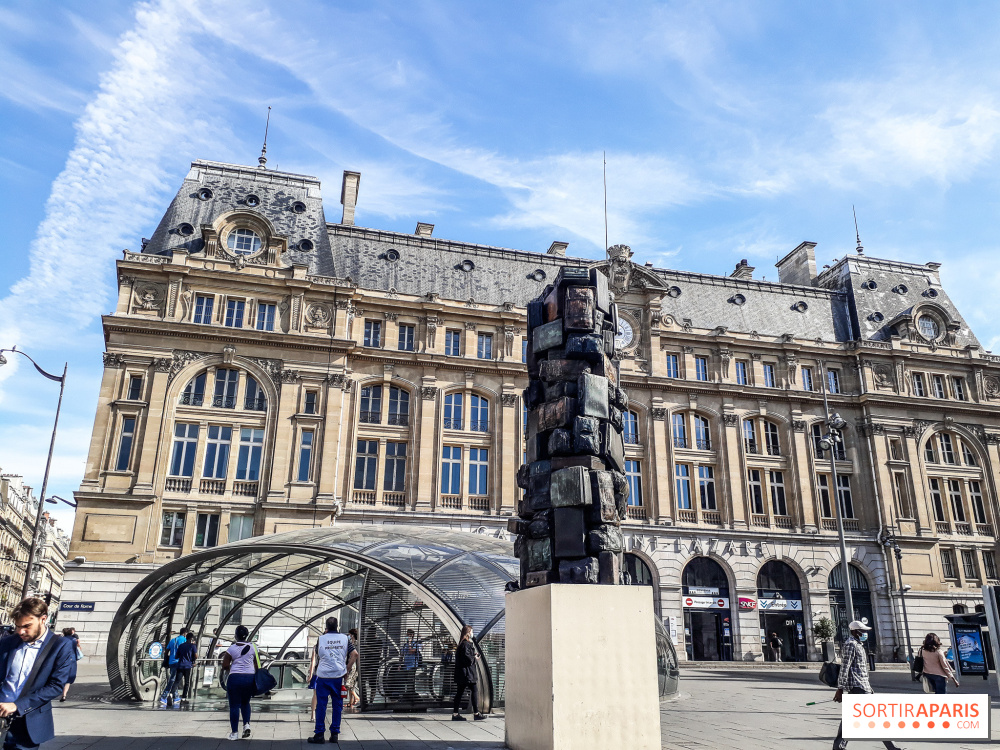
(854, 675)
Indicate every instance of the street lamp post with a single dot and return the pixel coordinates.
(48, 462)
(834, 424)
(888, 541)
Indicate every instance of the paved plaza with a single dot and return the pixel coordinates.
(749, 709)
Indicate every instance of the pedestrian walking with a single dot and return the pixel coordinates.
(370, 661)
(466, 676)
(775, 643)
(411, 656)
(936, 669)
(77, 655)
(36, 664)
(351, 680)
(335, 656)
(239, 663)
(187, 655)
(170, 662)
(854, 676)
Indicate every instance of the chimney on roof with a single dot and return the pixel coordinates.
(557, 248)
(424, 229)
(799, 266)
(349, 195)
(743, 270)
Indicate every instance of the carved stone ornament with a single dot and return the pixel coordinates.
(508, 339)
(993, 438)
(658, 413)
(920, 425)
(162, 364)
(470, 325)
(391, 316)
(910, 431)
(799, 425)
(271, 366)
(290, 376)
(148, 296)
(113, 360)
(471, 302)
(336, 379)
(429, 392)
(318, 316)
(731, 420)
(508, 399)
(882, 375)
(620, 268)
(687, 349)
(181, 360)
(228, 354)
(754, 335)
(687, 325)
(991, 386)
(392, 293)
(342, 304)
(508, 307)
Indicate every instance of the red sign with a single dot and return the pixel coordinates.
(747, 603)
(689, 601)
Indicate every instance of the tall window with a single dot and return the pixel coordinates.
(226, 383)
(451, 470)
(453, 343)
(206, 532)
(172, 533)
(706, 487)
(817, 437)
(902, 491)
(969, 565)
(305, 455)
(406, 338)
(682, 479)
(479, 414)
(701, 368)
(194, 393)
(958, 385)
(234, 313)
(769, 379)
(217, 452)
(631, 428)
(771, 439)
(918, 384)
(125, 444)
(807, 379)
(939, 389)
(478, 470)
(484, 346)
(750, 436)
(929, 454)
(826, 509)
(633, 477)
(373, 333)
(203, 304)
(248, 460)
(371, 404)
(776, 480)
(833, 381)
(967, 455)
(524, 350)
(240, 527)
(265, 316)
(310, 402)
(453, 411)
(366, 465)
(134, 388)
(756, 488)
(741, 373)
(955, 499)
(976, 500)
(948, 567)
(990, 564)
(936, 500)
(702, 433)
(673, 368)
(399, 407)
(254, 398)
(394, 479)
(185, 446)
(679, 429)
(947, 448)
(844, 493)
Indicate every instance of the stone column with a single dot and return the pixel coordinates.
(285, 438)
(731, 463)
(918, 478)
(803, 476)
(507, 452)
(661, 507)
(427, 440)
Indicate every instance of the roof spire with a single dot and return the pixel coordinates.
(861, 250)
(262, 159)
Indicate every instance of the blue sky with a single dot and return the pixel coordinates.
(732, 130)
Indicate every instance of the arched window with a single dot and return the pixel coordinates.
(750, 436)
(226, 384)
(194, 393)
(705, 574)
(371, 405)
(243, 241)
(861, 595)
(479, 414)
(702, 433)
(453, 411)
(777, 576)
(399, 407)
(959, 609)
(630, 430)
(771, 440)
(255, 399)
(679, 427)
(638, 571)
(818, 431)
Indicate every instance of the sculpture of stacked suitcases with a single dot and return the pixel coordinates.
(568, 528)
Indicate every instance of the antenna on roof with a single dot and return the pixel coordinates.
(605, 156)
(262, 159)
(861, 250)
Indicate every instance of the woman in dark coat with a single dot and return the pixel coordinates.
(466, 675)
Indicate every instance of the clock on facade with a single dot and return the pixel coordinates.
(625, 334)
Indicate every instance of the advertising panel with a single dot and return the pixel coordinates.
(969, 648)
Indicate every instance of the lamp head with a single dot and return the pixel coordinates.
(826, 442)
(3, 360)
(836, 421)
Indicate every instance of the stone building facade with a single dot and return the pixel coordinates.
(269, 370)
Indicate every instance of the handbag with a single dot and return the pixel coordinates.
(829, 674)
(928, 687)
(79, 653)
(263, 680)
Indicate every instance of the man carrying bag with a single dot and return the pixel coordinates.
(35, 664)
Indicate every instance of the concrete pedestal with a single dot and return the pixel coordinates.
(581, 668)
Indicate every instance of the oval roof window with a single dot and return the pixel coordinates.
(253, 200)
(876, 317)
(800, 307)
(392, 255)
(738, 299)
(299, 207)
(901, 289)
(674, 291)
(932, 293)
(306, 245)
(186, 229)
(538, 275)
(467, 265)
(206, 194)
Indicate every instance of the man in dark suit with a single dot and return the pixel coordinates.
(35, 663)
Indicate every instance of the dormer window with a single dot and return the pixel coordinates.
(243, 241)
(929, 328)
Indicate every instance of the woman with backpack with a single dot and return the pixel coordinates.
(930, 662)
(240, 663)
(466, 676)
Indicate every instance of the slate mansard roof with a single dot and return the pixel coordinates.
(858, 298)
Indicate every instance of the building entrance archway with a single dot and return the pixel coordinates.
(782, 621)
(708, 625)
(861, 595)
